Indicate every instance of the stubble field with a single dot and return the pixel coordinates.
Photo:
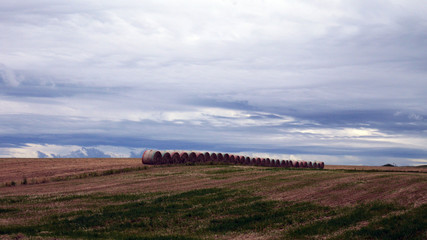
(122, 199)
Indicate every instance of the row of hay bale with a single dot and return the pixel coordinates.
(154, 157)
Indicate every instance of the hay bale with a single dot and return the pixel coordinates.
(207, 156)
(200, 157)
(220, 157)
(214, 157)
(295, 164)
(232, 159)
(151, 157)
(242, 160)
(283, 163)
(175, 157)
(303, 164)
(183, 157)
(226, 157)
(192, 158)
(166, 157)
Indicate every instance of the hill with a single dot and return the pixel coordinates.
(122, 199)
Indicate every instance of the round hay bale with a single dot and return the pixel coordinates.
(303, 164)
(183, 157)
(146, 159)
(272, 163)
(276, 163)
(283, 163)
(214, 157)
(258, 162)
(175, 157)
(166, 157)
(226, 157)
(248, 161)
(236, 159)
(200, 157)
(220, 157)
(192, 158)
(151, 157)
(315, 165)
(232, 159)
(321, 165)
(267, 162)
(309, 164)
(242, 160)
(207, 157)
(295, 164)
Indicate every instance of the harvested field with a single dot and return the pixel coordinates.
(209, 201)
(377, 168)
(16, 169)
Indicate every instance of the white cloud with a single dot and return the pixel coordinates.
(345, 132)
(52, 150)
(151, 63)
(31, 150)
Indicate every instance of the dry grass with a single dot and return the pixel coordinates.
(340, 188)
(327, 187)
(376, 168)
(42, 169)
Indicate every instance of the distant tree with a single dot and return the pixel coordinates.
(389, 165)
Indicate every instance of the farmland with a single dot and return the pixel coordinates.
(122, 199)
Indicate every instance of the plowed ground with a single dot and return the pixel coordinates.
(122, 199)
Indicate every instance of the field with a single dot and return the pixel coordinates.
(123, 199)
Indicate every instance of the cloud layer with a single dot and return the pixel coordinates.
(331, 80)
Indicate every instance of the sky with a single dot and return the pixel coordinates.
(344, 82)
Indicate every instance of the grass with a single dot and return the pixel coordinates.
(348, 218)
(6, 210)
(217, 211)
(185, 215)
(410, 225)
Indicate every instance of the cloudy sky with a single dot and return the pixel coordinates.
(344, 82)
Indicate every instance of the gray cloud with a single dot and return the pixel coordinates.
(252, 75)
(7, 77)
